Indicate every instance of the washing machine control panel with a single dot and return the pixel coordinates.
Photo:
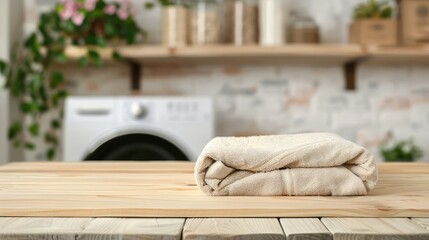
(187, 110)
(174, 109)
(138, 110)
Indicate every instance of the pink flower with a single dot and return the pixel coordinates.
(66, 14)
(122, 13)
(110, 9)
(77, 19)
(89, 5)
(125, 3)
(70, 8)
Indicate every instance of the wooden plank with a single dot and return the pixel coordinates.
(134, 190)
(304, 228)
(90, 228)
(133, 229)
(232, 228)
(105, 166)
(303, 53)
(423, 222)
(290, 53)
(371, 228)
(42, 228)
(404, 168)
(398, 55)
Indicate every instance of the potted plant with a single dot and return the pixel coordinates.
(373, 24)
(174, 23)
(400, 151)
(31, 75)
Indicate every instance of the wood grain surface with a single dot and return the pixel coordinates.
(305, 228)
(211, 228)
(91, 228)
(156, 189)
(232, 228)
(375, 228)
(422, 222)
(297, 53)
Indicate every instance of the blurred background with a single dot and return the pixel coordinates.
(186, 71)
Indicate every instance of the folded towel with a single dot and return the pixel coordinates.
(293, 164)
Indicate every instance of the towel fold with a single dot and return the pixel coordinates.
(293, 164)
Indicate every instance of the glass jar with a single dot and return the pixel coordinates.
(204, 22)
(174, 25)
(241, 21)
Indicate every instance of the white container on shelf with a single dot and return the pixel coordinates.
(271, 22)
(174, 26)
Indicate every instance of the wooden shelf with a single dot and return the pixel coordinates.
(397, 55)
(287, 53)
(222, 53)
(347, 55)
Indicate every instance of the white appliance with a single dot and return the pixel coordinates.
(136, 128)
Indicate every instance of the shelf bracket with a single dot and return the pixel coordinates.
(135, 74)
(350, 75)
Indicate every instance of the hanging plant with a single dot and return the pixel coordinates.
(30, 75)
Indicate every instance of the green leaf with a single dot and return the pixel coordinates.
(35, 84)
(29, 146)
(56, 79)
(116, 55)
(49, 138)
(109, 29)
(131, 36)
(17, 144)
(91, 40)
(83, 61)
(29, 107)
(149, 5)
(18, 84)
(3, 67)
(43, 108)
(69, 26)
(51, 153)
(32, 43)
(55, 124)
(62, 93)
(14, 130)
(58, 96)
(34, 129)
(94, 57)
(101, 42)
(60, 57)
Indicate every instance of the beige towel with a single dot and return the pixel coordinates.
(294, 164)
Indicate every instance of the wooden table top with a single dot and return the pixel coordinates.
(167, 189)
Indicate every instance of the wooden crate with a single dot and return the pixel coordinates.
(414, 22)
(374, 32)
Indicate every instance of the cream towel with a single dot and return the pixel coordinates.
(294, 164)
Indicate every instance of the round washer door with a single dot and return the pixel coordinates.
(137, 147)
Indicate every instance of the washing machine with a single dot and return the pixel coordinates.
(136, 128)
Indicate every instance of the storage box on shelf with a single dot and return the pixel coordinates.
(374, 32)
(414, 21)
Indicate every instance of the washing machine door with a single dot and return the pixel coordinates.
(137, 147)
